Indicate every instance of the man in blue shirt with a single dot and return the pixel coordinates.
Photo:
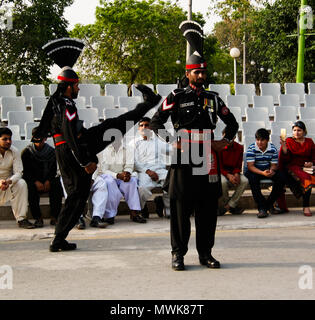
(262, 163)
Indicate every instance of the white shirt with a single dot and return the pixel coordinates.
(11, 165)
(150, 154)
(112, 162)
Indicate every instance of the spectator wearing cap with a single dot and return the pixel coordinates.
(150, 164)
(40, 174)
(12, 187)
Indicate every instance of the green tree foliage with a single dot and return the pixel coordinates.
(136, 41)
(266, 27)
(35, 22)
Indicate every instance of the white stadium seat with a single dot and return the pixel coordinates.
(247, 89)
(136, 93)
(11, 104)
(295, 88)
(223, 90)
(116, 90)
(311, 88)
(309, 100)
(80, 102)
(250, 128)
(38, 104)
(128, 102)
(286, 113)
(271, 89)
(19, 118)
(52, 88)
(28, 127)
(165, 89)
(89, 90)
(288, 100)
(276, 127)
(310, 126)
(32, 90)
(113, 113)
(306, 113)
(8, 90)
(240, 101)
(89, 115)
(258, 114)
(102, 102)
(237, 112)
(20, 144)
(264, 102)
(15, 131)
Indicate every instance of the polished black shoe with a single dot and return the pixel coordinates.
(159, 206)
(210, 262)
(62, 246)
(262, 213)
(39, 223)
(237, 210)
(145, 212)
(137, 218)
(109, 220)
(178, 262)
(25, 224)
(148, 94)
(81, 224)
(96, 222)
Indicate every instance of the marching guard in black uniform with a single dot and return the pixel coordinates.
(76, 147)
(194, 186)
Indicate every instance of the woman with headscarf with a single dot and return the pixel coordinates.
(297, 158)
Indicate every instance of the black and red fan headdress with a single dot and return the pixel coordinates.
(65, 52)
(193, 33)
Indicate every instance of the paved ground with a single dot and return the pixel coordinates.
(261, 259)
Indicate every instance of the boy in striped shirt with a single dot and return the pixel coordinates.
(262, 163)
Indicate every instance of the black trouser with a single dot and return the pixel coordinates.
(55, 198)
(277, 188)
(77, 184)
(200, 197)
(306, 198)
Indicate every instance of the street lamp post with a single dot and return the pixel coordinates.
(235, 53)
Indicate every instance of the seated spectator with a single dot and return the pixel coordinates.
(115, 179)
(40, 174)
(262, 163)
(296, 159)
(231, 161)
(12, 187)
(151, 167)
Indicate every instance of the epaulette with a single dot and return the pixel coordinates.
(178, 91)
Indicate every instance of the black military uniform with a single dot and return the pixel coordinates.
(193, 113)
(76, 147)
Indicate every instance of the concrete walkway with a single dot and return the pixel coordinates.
(9, 231)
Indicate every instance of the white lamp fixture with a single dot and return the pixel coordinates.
(235, 53)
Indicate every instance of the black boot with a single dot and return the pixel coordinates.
(178, 262)
(62, 245)
(209, 261)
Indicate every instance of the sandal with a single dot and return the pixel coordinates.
(307, 214)
(137, 218)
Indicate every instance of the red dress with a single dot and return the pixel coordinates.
(293, 161)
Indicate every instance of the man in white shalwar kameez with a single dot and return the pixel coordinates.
(115, 179)
(150, 163)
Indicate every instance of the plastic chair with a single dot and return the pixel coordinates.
(28, 127)
(250, 128)
(38, 104)
(264, 102)
(89, 90)
(295, 88)
(223, 90)
(88, 115)
(11, 104)
(271, 89)
(306, 113)
(19, 118)
(286, 113)
(136, 93)
(240, 101)
(246, 89)
(165, 89)
(128, 102)
(102, 102)
(276, 127)
(32, 90)
(311, 88)
(113, 113)
(309, 100)
(258, 114)
(15, 131)
(288, 100)
(116, 90)
(7, 90)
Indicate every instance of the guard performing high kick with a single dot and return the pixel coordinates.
(76, 147)
(193, 186)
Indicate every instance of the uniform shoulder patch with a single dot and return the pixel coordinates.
(166, 105)
(69, 115)
(225, 110)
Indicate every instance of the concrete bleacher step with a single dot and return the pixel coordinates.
(246, 201)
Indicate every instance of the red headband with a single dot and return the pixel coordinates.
(67, 79)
